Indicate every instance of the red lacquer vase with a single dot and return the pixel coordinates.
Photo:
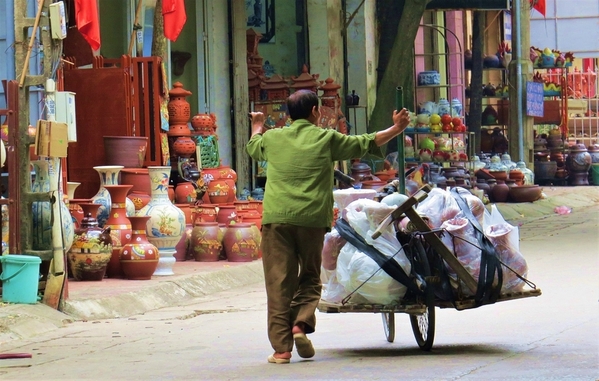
(120, 227)
(138, 257)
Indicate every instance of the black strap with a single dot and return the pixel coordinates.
(389, 265)
(486, 292)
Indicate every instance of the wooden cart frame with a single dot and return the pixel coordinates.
(422, 309)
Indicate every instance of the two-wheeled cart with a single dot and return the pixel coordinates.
(428, 255)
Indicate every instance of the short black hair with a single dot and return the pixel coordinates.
(300, 104)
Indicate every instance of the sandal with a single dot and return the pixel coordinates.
(303, 345)
(274, 360)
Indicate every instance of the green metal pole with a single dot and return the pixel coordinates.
(401, 165)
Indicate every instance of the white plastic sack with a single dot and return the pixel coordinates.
(354, 267)
(506, 240)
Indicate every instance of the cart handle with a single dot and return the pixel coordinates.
(420, 195)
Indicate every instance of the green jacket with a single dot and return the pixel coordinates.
(299, 188)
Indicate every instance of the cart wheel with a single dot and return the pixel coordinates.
(423, 325)
(389, 325)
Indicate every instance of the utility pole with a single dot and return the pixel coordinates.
(520, 129)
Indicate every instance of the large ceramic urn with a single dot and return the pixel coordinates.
(92, 247)
(578, 164)
(167, 223)
(109, 175)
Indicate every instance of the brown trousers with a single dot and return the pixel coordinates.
(291, 256)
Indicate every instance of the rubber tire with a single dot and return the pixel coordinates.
(389, 325)
(423, 325)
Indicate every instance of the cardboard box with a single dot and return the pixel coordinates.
(51, 139)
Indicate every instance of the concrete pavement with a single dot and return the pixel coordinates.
(121, 298)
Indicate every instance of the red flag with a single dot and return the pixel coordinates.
(86, 17)
(174, 15)
(539, 5)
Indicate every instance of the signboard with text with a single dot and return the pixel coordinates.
(534, 99)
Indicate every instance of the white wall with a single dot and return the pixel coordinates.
(569, 26)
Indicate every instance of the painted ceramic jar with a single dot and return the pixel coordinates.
(205, 213)
(185, 193)
(218, 191)
(240, 243)
(109, 175)
(529, 176)
(251, 216)
(443, 107)
(227, 214)
(120, 227)
(46, 178)
(578, 164)
(138, 257)
(92, 247)
(167, 222)
(206, 241)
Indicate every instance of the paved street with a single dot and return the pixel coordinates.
(223, 336)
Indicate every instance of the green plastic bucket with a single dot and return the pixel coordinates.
(595, 173)
(20, 276)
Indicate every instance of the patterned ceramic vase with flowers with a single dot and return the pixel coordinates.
(167, 223)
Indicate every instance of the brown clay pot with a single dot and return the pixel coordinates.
(373, 184)
(218, 191)
(256, 204)
(500, 191)
(139, 258)
(251, 216)
(184, 146)
(128, 151)
(204, 124)
(517, 176)
(186, 209)
(206, 241)
(525, 193)
(240, 243)
(227, 214)
(182, 247)
(205, 213)
(241, 205)
(185, 193)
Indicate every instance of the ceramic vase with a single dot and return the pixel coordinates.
(251, 216)
(205, 213)
(206, 242)
(109, 175)
(92, 247)
(578, 164)
(167, 222)
(120, 227)
(240, 243)
(138, 257)
(46, 178)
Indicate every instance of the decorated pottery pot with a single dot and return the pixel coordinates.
(206, 241)
(240, 243)
(138, 258)
(120, 227)
(167, 222)
(92, 247)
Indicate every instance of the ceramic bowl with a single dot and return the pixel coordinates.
(525, 193)
(499, 175)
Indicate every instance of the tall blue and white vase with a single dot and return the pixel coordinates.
(109, 175)
(167, 223)
(47, 173)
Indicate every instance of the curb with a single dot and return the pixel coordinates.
(165, 294)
